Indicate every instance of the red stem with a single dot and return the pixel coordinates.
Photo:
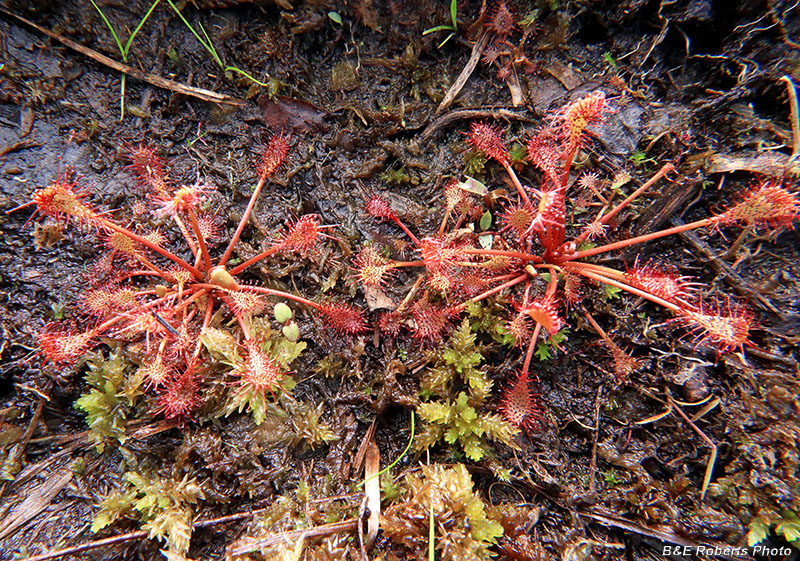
(185, 233)
(206, 322)
(147, 243)
(627, 288)
(532, 345)
(640, 239)
(263, 255)
(606, 217)
(201, 242)
(495, 290)
(242, 222)
(504, 253)
(408, 232)
(268, 291)
(516, 182)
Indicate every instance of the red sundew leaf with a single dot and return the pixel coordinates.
(768, 205)
(520, 406)
(64, 346)
(487, 138)
(344, 318)
(724, 327)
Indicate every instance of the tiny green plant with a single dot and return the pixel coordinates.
(452, 27)
(205, 40)
(124, 50)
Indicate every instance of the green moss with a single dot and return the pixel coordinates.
(489, 317)
(459, 360)
(458, 422)
(395, 175)
(462, 389)
(463, 530)
(114, 391)
(293, 423)
(474, 163)
(163, 504)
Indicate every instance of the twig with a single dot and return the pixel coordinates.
(795, 118)
(18, 146)
(133, 536)
(593, 463)
(158, 81)
(712, 460)
(731, 277)
(18, 451)
(348, 525)
(462, 114)
(455, 89)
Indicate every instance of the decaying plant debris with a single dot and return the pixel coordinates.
(396, 301)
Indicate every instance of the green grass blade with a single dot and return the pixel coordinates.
(246, 75)
(208, 46)
(437, 28)
(138, 27)
(400, 457)
(122, 97)
(446, 39)
(113, 33)
(431, 537)
(454, 14)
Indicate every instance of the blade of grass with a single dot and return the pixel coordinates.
(124, 50)
(437, 28)
(400, 457)
(209, 46)
(246, 75)
(136, 30)
(111, 28)
(431, 536)
(206, 43)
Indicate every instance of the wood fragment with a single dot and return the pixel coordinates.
(18, 451)
(564, 74)
(458, 85)
(35, 502)
(121, 538)
(18, 146)
(515, 89)
(463, 114)
(372, 491)
(774, 164)
(249, 545)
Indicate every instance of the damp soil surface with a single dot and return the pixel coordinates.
(364, 92)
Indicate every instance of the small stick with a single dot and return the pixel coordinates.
(795, 117)
(318, 531)
(455, 89)
(593, 463)
(134, 536)
(465, 114)
(711, 460)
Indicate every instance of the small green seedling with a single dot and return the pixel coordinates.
(452, 27)
(124, 50)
